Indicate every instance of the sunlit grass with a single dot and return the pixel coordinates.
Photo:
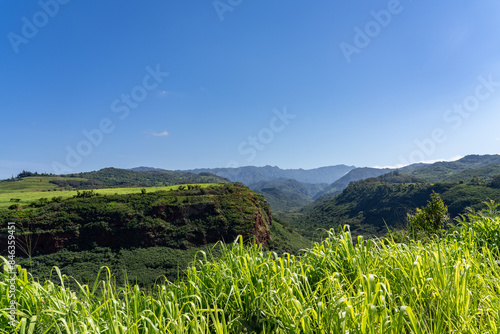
(27, 197)
(364, 288)
(450, 285)
(33, 184)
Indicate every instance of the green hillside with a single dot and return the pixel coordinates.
(291, 187)
(280, 202)
(287, 195)
(371, 205)
(97, 228)
(33, 183)
(114, 177)
(29, 187)
(354, 175)
(446, 171)
(35, 198)
(485, 174)
(104, 178)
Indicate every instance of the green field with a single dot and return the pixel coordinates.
(30, 193)
(32, 183)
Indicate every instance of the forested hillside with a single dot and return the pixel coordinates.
(114, 177)
(106, 177)
(288, 195)
(354, 175)
(372, 205)
(455, 171)
(91, 230)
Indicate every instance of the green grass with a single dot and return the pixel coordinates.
(32, 184)
(449, 285)
(27, 196)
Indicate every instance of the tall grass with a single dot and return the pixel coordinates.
(451, 285)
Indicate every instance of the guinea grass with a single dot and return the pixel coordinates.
(448, 285)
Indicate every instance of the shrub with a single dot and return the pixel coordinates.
(86, 194)
(432, 219)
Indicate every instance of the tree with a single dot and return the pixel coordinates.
(478, 181)
(496, 181)
(431, 219)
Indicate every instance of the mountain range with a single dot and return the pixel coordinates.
(286, 189)
(249, 175)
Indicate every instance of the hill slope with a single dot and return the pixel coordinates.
(354, 175)
(371, 204)
(446, 170)
(117, 230)
(286, 195)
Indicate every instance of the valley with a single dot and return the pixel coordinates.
(147, 226)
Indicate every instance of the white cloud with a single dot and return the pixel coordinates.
(160, 134)
(164, 93)
(391, 167)
(455, 158)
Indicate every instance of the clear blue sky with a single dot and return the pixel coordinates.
(354, 82)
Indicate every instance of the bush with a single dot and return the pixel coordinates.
(430, 220)
(86, 194)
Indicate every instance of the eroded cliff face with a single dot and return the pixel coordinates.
(177, 219)
(261, 231)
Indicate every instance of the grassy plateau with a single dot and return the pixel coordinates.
(28, 191)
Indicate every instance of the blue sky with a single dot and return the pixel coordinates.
(189, 84)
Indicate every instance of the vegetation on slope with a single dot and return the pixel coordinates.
(114, 177)
(482, 174)
(354, 175)
(446, 170)
(93, 229)
(371, 205)
(104, 178)
(280, 202)
(292, 187)
(36, 198)
(448, 285)
(287, 196)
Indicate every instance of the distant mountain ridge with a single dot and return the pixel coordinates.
(284, 195)
(464, 169)
(250, 175)
(354, 175)
(284, 188)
